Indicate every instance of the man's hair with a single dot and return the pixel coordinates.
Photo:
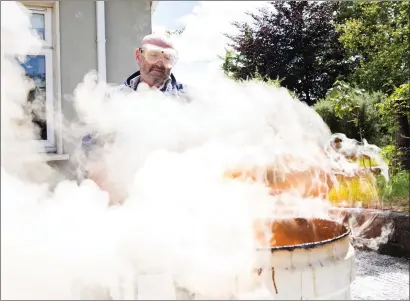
(158, 40)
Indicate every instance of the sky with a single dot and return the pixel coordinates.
(203, 39)
(167, 13)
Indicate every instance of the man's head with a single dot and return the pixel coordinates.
(156, 57)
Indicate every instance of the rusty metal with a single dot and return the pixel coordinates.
(342, 230)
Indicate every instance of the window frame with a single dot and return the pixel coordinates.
(51, 50)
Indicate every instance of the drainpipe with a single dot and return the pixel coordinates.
(101, 54)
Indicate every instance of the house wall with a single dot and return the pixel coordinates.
(78, 50)
(127, 22)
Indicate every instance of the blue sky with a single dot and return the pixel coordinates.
(167, 13)
(205, 23)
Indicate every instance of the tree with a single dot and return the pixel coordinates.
(395, 112)
(376, 35)
(295, 42)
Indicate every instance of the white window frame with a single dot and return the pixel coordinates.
(51, 50)
(47, 52)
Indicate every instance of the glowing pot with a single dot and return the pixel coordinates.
(310, 183)
(303, 259)
(307, 259)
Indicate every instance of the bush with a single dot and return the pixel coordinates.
(395, 193)
(354, 112)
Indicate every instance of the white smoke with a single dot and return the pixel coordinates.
(172, 210)
(16, 130)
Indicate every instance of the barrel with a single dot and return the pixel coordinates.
(296, 259)
(307, 259)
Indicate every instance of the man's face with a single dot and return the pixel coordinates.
(155, 63)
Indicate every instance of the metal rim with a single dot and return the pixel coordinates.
(310, 245)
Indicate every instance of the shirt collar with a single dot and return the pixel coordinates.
(134, 83)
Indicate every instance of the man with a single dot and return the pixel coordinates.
(156, 57)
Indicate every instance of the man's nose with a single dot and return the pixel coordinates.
(160, 63)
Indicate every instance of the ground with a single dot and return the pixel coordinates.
(381, 277)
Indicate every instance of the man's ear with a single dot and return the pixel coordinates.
(138, 55)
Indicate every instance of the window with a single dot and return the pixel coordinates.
(39, 67)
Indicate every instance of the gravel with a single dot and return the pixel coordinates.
(380, 277)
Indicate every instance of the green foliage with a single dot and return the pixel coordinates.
(232, 64)
(395, 193)
(345, 99)
(402, 93)
(263, 78)
(395, 113)
(352, 111)
(388, 153)
(376, 34)
(176, 32)
(391, 154)
(397, 103)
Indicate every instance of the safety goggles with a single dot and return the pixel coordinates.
(154, 54)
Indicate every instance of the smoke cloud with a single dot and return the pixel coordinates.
(170, 204)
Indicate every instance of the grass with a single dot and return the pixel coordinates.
(395, 193)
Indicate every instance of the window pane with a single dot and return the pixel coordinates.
(35, 67)
(38, 24)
